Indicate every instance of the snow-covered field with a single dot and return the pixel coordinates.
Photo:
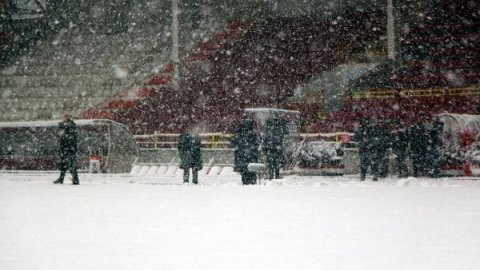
(125, 222)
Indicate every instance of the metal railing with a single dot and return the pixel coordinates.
(222, 140)
(170, 140)
(430, 92)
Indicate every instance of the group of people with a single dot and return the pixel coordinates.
(246, 143)
(420, 143)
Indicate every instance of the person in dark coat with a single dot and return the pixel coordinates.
(246, 143)
(382, 149)
(68, 149)
(273, 146)
(364, 137)
(400, 147)
(190, 151)
(378, 144)
(435, 143)
(419, 143)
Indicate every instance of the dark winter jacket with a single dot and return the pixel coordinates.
(419, 139)
(190, 151)
(400, 142)
(273, 142)
(363, 137)
(68, 139)
(382, 138)
(246, 143)
(435, 133)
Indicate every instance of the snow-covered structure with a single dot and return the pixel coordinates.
(461, 141)
(456, 125)
(34, 145)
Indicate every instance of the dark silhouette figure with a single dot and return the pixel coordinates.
(273, 146)
(435, 144)
(190, 151)
(365, 137)
(68, 149)
(399, 147)
(419, 144)
(246, 143)
(384, 142)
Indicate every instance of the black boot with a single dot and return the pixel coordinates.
(58, 181)
(363, 174)
(75, 180)
(186, 175)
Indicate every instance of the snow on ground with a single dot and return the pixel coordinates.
(126, 222)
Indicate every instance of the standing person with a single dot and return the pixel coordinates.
(399, 147)
(273, 147)
(68, 149)
(435, 143)
(246, 143)
(190, 151)
(378, 149)
(364, 136)
(419, 142)
(384, 144)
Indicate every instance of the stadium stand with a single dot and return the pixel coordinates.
(88, 63)
(223, 74)
(155, 105)
(439, 72)
(126, 75)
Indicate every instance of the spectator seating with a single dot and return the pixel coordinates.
(246, 65)
(82, 67)
(77, 74)
(441, 74)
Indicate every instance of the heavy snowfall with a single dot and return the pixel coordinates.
(239, 134)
